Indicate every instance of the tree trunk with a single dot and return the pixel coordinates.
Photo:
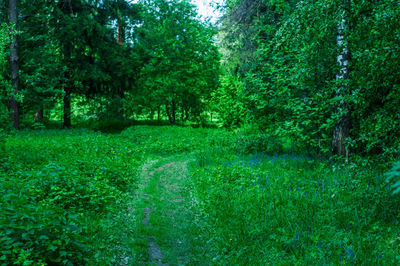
(120, 33)
(39, 115)
(182, 114)
(121, 97)
(342, 128)
(171, 113)
(168, 112)
(158, 113)
(340, 133)
(120, 28)
(14, 114)
(151, 115)
(187, 113)
(67, 108)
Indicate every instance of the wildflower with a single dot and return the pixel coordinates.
(113, 151)
(230, 239)
(351, 253)
(197, 170)
(319, 244)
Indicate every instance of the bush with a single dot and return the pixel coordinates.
(37, 233)
(59, 187)
(248, 144)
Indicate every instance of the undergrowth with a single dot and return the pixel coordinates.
(59, 191)
(294, 210)
(65, 193)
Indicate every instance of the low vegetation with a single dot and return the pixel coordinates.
(66, 194)
(139, 132)
(60, 190)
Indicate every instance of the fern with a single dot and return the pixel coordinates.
(393, 177)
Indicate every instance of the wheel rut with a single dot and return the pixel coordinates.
(168, 216)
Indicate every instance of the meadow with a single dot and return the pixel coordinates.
(69, 197)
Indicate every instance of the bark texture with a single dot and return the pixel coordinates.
(342, 129)
(67, 108)
(14, 62)
(38, 117)
(171, 111)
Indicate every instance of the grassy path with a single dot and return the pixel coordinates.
(169, 223)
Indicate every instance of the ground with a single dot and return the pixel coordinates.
(184, 196)
(167, 209)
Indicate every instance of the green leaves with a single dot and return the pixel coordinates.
(393, 177)
(58, 189)
(182, 59)
(285, 54)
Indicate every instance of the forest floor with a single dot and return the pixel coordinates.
(165, 206)
(185, 196)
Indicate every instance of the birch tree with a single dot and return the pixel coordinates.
(342, 128)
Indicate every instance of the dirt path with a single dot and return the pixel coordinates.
(170, 223)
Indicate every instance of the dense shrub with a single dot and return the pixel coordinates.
(249, 144)
(58, 189)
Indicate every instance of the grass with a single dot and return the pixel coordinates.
(172, 223)
(76, 197)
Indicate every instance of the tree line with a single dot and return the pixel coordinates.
(129, 58)
(324, 72)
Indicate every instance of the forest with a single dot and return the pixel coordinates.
(139, 132)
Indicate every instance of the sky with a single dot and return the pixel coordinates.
(206, 10)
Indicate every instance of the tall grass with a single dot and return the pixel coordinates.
(293, 210)
(65, 192)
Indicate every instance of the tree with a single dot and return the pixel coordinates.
(4, 42)
(88, 50)
(181, 60)
(342, 128)
(293, 58)
(14, 64)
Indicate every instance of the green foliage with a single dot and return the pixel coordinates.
(256, 143)
(181, 60)
(393, 177)
(151, 141)
(263, 208)
(66, 193)
(230, 93)
(57, 196)
(286, 53)
(4, 83)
